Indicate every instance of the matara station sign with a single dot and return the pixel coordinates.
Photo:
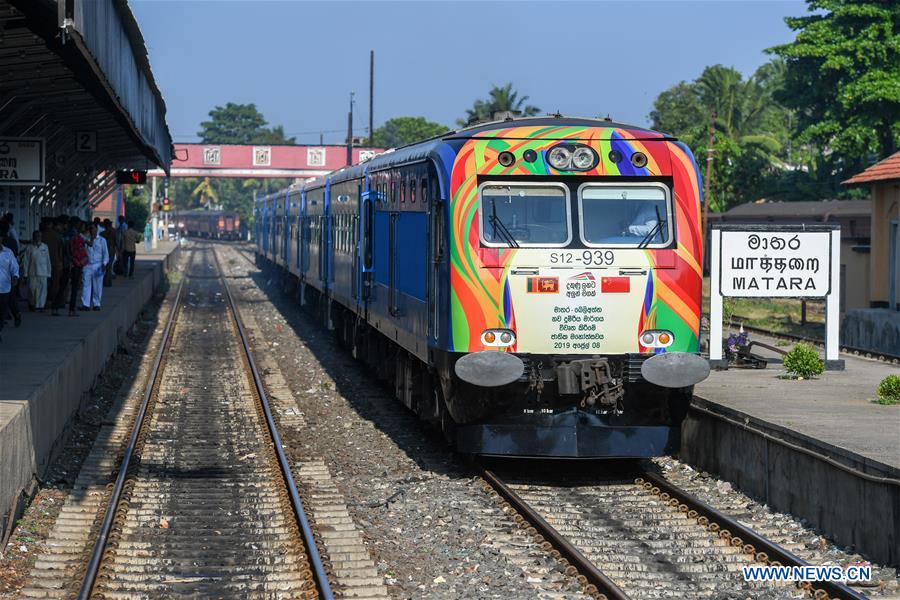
(776, 261)
(22, 161)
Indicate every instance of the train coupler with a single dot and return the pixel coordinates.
(594, 381)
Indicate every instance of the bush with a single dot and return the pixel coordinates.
(803, 362)
(889, 390)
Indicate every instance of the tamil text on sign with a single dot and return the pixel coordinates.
(757, 264)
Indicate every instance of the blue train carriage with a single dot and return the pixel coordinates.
(533, 286)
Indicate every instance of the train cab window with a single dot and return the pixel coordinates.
(636, 216)
(525, 215)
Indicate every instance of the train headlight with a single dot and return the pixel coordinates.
(639, 160)
(657, 338)
(498, 338)
(583, 158)
(560, 158)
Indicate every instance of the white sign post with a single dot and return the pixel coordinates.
(22, 161)
(772, 261)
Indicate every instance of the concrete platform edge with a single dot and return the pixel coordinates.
(854, 511)
(35, 430)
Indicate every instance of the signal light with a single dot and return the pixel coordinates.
(657, 338)
(529, 156)
(614, 156)
(506, 158)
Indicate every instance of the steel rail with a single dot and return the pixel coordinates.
(853, 350)
(760, 544)
(90, 576)
(322, 583)
(606, 586)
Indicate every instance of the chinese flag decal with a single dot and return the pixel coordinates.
(615, 285)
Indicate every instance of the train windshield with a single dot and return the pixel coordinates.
(525, 215)
(635, 216)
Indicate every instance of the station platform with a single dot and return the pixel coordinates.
(821, 449)
(48, 364)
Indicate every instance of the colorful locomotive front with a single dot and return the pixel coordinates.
(575, 289)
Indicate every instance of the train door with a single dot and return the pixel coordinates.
(431, 197)
(354, 243)
(304, 236)
(367, 234)
(286, 230)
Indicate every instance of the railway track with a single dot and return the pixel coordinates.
(632, 534)
(863, 352)
(204, 504)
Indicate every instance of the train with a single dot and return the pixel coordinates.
(532, 286)
(212, 224)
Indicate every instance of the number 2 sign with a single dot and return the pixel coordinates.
(85, 141)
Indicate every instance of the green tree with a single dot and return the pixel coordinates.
(500, 99)
(401, 131)
(843, 78)
(751, 132)
(240, 124)
(136, 205)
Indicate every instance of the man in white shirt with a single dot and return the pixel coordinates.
(36, 267)
(92, 276)
(9, 277)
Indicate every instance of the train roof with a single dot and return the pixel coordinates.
(204, 213)
(424, 149)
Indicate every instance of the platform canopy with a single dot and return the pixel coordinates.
(76, 86)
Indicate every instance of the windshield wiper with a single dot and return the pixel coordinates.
(656, 229)
(498, 225)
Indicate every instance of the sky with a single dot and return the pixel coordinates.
(299, 61)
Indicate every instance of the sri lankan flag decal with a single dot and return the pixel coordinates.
(543, 285)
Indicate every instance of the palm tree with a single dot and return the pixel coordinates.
(206, 193)
(500, 99)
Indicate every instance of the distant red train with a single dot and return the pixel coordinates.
(212, 224)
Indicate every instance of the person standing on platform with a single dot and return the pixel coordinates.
(92, 277)
(148, 237)
(79, 259)
(36, 267)
(121, 226)
(8, 241)
(50, 236)
(13, 233)
(9, 278)
(129, 249)
(110, 236)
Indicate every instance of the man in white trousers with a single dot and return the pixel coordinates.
(92, 277)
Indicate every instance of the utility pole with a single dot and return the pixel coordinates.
(350, 132)
(371, 97)
(154, 225)
(709, 162)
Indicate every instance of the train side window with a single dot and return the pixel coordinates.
(393, 197)
(412, 190)
(424, 190)
(403, 191)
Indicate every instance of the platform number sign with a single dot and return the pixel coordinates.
(85, 141)
(212, 155)
(262, 156)
(129, 177)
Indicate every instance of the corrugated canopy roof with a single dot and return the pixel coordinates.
(886, 170)
(84, 71)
